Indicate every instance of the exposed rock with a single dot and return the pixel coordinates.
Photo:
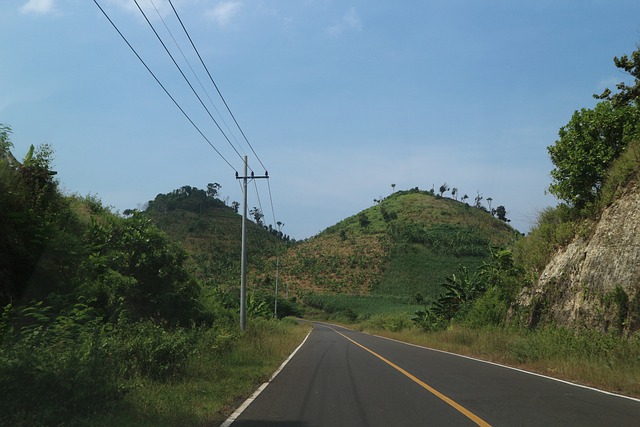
(594, 282)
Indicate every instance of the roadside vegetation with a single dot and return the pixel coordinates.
(108, 321)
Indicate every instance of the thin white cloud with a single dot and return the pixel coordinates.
(224, 12)
(38, 7)
(149, 6)
(349, 22)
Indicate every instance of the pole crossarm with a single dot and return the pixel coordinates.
(253, 176)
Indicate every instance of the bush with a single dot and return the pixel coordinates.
(389, 322)
(50, 369)
(488, 310)
(57, 366)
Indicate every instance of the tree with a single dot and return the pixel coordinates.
(454, 193)
(628, 94)
(5, 143)
(257, 215)
(443, 189)
(364, 220)
(464, 198)
(489, 200)
(588, 144)
(213, 189)
(478, 199)
(393, 188)
(501, 213)
(235, 206)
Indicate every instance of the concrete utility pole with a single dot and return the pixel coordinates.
(275, 309)
(243, 260)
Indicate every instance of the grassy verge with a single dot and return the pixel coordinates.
(219, 374)
(590, 358)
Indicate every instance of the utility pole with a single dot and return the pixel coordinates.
(243, 260)
(275, 309)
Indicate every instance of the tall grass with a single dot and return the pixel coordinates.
(222, 370)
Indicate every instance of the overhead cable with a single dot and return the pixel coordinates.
(185, 78)
(215, 85)
(195, 75)
(161, 85)
(275, 223)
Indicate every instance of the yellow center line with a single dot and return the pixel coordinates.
(464, 411)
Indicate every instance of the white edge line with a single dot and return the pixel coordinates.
(510, 367)
(260, 389)
(493, 363)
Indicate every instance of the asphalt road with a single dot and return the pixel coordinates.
(346, 378)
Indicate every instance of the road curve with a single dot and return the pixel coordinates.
(341, 377)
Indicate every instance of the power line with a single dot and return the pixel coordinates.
(195, 74)
(193, 89)
(185, 78)
(255, 184)
(275, 223)
(161, 85)
(215, 85)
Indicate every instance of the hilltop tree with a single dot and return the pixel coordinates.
(454, 193)
(489, 200)
(257, 215)
(213, 189)
(443, 189)
(501, 213)
(478, 200)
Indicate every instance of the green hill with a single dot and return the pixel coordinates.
(403, 246)
(390, 256)
(210, 231)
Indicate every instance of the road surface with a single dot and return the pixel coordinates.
(341, 377)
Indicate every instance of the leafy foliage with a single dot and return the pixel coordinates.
(627, 94)
(477, 299)
(135, 271)
(587, 146)
(93, 302)
(39, 232)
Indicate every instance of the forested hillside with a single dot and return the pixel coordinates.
(210, 231)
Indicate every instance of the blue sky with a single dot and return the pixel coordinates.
(339, 98)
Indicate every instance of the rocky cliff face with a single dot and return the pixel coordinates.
(594, 282)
